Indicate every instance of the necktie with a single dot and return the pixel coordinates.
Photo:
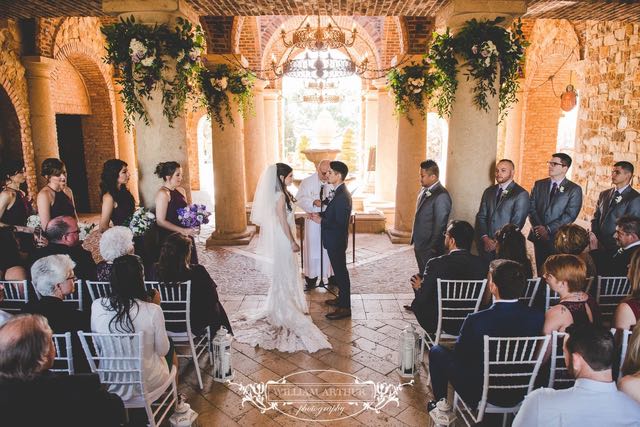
(554, 189)
(616, 194)
(422, 196)
(499, 194)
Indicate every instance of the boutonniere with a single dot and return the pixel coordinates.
(618, 199)
(561, 189)
(428, 194)
(504, 193)
(332, 193)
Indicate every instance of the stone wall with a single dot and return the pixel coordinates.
(68, 91)
(609, 118)
(14, 84)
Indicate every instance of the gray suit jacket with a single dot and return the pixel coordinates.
(431, 220)
(512, 208)
(563, 209)
(604, 219)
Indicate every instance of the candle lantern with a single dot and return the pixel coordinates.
(183, 416)
(409, 352)
(442, 415)
(222, 355)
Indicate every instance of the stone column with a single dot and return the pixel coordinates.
(255, 150)
(228, 176)
(156, 142)
(471, 151)
(387, 148)
(271, 97)
(370, 133)
(43, 118)
(513, 135)
(126, 146)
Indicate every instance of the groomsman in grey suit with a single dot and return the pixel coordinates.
(554, 201)
(503, 203)
(432, 215)
(613, 204)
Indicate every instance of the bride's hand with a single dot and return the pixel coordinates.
(295, 247)
(190, 231)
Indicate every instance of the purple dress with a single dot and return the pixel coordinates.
(177, 201)
(62, 206)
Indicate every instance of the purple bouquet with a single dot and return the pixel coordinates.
(193, 216)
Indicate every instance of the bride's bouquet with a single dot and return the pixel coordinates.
(33, 221)
(193, 216)
(85, 228)
(141, 221)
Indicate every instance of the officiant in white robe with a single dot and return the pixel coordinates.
(308, 199)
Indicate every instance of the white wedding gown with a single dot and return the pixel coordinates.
(282, 322)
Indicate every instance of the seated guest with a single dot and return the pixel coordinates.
(174, 266)
(63, 234)
(114, 243)
(130, 309)
(457, 264)
(574, 240)
(464, 365)
(511, 244)
(567, 274)
(627, 238)
(31, 395)
(53, 279)
(589, 352)
(630, 382)
(627, 313)
(12, 264)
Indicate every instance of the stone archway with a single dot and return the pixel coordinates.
(10, 130)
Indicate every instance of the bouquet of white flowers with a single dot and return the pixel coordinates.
(33, 221)
(141, 220)
(85, 229)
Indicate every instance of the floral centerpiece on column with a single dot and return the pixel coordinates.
(411, 86)
(147, 57)
(217, 83)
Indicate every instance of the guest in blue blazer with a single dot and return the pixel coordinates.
(507, 317)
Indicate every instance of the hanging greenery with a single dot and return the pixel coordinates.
(220, 81)
(487, 50)
(410, 86)
(147, 58)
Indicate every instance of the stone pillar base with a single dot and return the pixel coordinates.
(397, 236)
(231, 239)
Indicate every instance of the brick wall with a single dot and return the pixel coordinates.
(418, 29)
(68, 91)
(14, 84)
(218, 33)
(609, 117)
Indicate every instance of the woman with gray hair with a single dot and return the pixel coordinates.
(53, 278)
(114, 243)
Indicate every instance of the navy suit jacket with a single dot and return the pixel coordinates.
(502, 319)
(335, 220)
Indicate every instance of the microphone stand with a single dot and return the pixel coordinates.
(322, 284)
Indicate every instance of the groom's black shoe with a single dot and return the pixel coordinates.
(310, 283)
(332, 302)
(340, 313)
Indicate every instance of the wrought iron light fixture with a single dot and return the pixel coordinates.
(319, 38)
(320, 95)
(319, 66)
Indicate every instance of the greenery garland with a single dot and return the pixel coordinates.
(220, 81)
(411, 86)
(142, 54)
(486, 49)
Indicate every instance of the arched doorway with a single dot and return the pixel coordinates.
(10, 134)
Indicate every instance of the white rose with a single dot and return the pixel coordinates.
(487, 62)
(148, 62)
(194, 53)
(138, 49)
(418, 90)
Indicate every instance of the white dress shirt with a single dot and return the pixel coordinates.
(587, 404)
(149, 319)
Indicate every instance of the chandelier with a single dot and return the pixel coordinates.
(320, 96)
(318, 66)
(318, 38)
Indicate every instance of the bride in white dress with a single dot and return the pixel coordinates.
(282, 322)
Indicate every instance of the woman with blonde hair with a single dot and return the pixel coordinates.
(566, 275)
(628, 311)
(630, 382)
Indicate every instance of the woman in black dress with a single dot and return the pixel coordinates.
(118, 203)
(56, 198)
(14, 205)
(169, 198)
(174, 266)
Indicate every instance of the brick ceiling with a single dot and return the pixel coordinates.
(628, 10)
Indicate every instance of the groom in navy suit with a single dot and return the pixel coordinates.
(335, 232)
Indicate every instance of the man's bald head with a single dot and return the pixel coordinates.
(26, 348)
(64, 230)
(323, 168)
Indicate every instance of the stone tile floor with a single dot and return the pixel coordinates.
(365, 345)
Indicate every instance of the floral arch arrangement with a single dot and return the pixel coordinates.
(217, 83)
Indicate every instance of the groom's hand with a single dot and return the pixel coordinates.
(416, 281)
(315, 217)
(317, 203)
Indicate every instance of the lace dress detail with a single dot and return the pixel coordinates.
(282, 323)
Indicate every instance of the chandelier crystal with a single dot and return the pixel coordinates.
(319, 67)
(319, 39)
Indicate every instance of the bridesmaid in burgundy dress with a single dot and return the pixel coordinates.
(14, 206)
(169, 198)
(55, 199)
